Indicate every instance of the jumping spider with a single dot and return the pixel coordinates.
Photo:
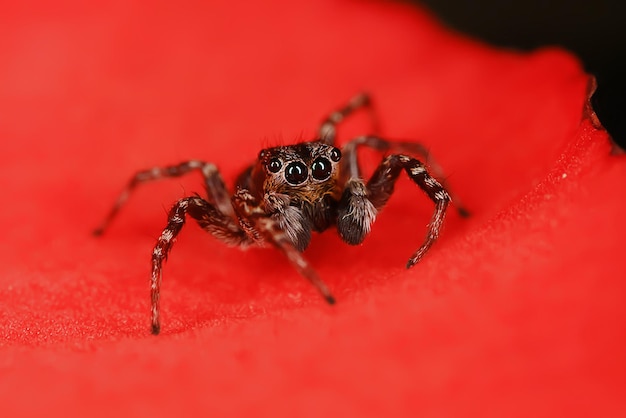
(291, 191)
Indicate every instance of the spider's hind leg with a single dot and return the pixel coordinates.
(328, 128)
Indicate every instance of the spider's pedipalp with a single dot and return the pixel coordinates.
(356, 213)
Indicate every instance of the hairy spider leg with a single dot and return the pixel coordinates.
(351, 167)
(328, 128)
(210, 218)
(262, 227)
(215, 187)
(381, 185)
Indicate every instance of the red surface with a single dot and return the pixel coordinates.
(517, 311)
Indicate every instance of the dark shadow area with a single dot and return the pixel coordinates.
(593, 30)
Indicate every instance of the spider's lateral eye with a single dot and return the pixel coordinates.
(274, 165)
(335, 154)
(296, 173)
(321, 168)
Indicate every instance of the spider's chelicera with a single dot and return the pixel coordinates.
(291, 191)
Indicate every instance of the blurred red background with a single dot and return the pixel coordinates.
(516, 311)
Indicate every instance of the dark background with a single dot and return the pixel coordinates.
(593, 30)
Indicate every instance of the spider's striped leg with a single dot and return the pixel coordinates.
(351, 168)
(381, 185)
(216, 189)
(210, 218)
(261, 227)
(328, 128)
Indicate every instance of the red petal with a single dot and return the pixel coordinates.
(516, 311)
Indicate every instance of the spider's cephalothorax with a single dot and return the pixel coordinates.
(291, 191)
(298, 186)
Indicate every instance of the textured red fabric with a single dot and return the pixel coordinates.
(516, 311)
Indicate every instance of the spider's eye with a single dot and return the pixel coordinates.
(296, 173)
(321, 169)
(335, 154)
(274, 165)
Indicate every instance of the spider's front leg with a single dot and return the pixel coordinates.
(350, 163)
(210, 218)
(360, 202)
(263, 227)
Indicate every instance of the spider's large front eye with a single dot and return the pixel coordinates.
(274, 165)
(321, 169)
(296, 173)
